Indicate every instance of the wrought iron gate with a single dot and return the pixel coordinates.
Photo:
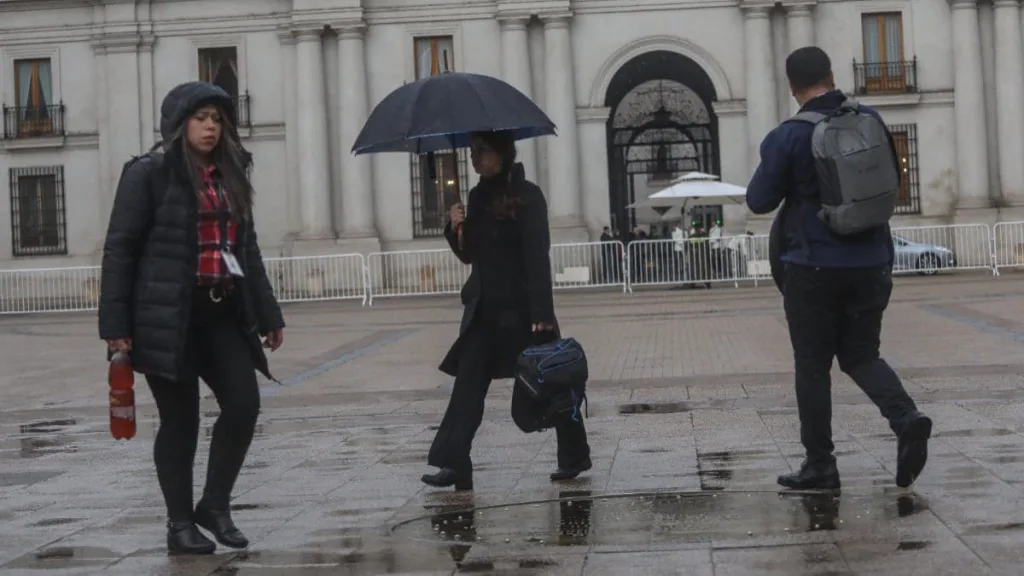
(660, 130)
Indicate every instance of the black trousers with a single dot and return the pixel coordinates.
(217, 352)
(837, 313)
(454, 439)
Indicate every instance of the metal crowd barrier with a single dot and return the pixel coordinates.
(736, 260)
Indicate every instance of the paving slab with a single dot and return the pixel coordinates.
(692, 415)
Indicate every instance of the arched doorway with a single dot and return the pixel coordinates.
(662, 125)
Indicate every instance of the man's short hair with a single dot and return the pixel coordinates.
(807, 67)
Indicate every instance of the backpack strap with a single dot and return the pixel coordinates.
(808, 117)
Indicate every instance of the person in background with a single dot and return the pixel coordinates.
(184, 291)
(835, 288)
(504, 235)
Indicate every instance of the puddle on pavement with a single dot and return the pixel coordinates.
(973, 433)
(55, 522)
(579, 519)
(45, 437)
(655, 408)
(10, 479)
(62, 557)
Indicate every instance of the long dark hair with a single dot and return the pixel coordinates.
(506, 199)
(233, 164)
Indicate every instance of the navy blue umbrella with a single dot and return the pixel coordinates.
(441, 112)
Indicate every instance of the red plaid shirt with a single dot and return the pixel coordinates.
(217, 232)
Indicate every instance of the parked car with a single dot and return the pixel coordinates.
(926, 259)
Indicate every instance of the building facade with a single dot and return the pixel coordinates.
(641, 91)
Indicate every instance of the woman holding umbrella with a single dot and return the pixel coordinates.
(503, 234)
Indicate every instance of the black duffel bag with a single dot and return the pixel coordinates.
(550, 385)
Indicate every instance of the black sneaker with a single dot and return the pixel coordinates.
(912, 449)
(812, 477)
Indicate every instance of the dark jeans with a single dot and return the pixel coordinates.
(454, 439)
(837, 313)
(217, 352)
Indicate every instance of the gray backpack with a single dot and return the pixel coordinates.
(858, 181)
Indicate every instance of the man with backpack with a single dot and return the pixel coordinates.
(834, 169)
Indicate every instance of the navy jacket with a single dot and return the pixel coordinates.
(787, 165)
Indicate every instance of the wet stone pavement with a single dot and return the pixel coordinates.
(692, 416)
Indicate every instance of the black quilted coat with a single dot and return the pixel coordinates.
(151, 253)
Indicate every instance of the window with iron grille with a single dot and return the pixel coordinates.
(904, 136)
(439, 179)
(38, 216)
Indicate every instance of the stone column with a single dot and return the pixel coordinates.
(762, 109)
(515, 69)
(563, 150)
(593, 125)
(290, 96)
(356, 172)
(969, 108)
(314, 170)
(800, 26)
(1009, 78)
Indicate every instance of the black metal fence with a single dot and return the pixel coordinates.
(38, 214)
(885, 77)
(33, 122)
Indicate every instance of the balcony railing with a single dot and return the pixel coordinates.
(885, 77)
(242, 110)
(34, 122)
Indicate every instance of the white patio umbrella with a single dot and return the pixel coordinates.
(695, 188)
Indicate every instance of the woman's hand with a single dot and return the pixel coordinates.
(274, 340)
(120, 345)
(457, 215)
(543, 327)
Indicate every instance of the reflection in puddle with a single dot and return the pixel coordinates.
(579, 519)
(45, 437)
(973, 433)
(58, 557)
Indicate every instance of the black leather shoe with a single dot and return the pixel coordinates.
(570, 473)
(185, 538)
(447, 477)
(812, 477)
(912, 449)
(219, 523)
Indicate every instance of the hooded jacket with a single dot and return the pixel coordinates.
(151, 253)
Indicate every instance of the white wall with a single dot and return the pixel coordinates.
(108, 109)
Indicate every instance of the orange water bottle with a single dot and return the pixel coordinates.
(121, 377)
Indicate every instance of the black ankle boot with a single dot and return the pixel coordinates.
(571, 472)
(912, 449)
(449, 477)
(184, 538)
(812, 476)
(219, 523)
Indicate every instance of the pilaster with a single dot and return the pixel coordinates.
(969, 108)
(563, 150)
(515, 69)
(314, 170)
(1009, 77)
(762, 110)
(357, 201)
